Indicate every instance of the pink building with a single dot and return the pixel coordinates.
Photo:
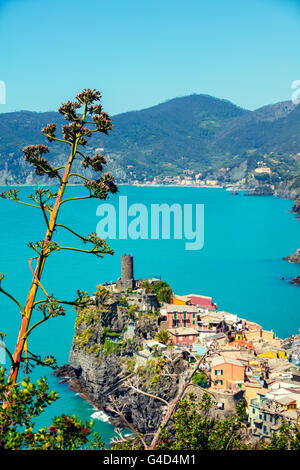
(181, 316)
(202, 301)
(183, 335)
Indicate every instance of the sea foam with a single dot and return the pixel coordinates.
(100, 415)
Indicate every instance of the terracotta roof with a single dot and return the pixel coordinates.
(181, 308)
(216, 361)
(183, 331)
(285, 400)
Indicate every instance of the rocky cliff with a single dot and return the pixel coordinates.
(107, 359)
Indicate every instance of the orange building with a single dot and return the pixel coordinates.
(260, 335)
(252, 389)
(239, 342)
(227, 373)
(180, 300)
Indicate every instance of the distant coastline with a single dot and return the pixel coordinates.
(127, 184)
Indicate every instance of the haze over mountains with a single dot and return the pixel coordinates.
(197, 132)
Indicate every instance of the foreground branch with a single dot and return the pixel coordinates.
(116, 409)
(177, 399)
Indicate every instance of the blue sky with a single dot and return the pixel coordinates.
(142, 52)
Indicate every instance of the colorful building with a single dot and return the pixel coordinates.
(239, 342)
(265, 414)
(181, 316)
(180, 300)
(194, 299)
(273, 354)
(227, 373)
(251, 390)
(260, 335)
(202, 301)
(184, 336)
(211, 322)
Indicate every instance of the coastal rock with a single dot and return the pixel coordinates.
(66, 371)
(96, 380)
(296, 206)
(113, 365)
(294, 258)
(264, 190)
(287, 189)
(292, 347)
(296, 281)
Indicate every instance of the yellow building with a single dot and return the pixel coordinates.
(263, 169)
(238, 337)
(273, 354)
(180, 300)
(251, 390)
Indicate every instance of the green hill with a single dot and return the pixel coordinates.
(196, 132)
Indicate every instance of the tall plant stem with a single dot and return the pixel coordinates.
(26, 316)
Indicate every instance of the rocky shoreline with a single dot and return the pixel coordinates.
(296, 206)
(294, 258)
(142, 411)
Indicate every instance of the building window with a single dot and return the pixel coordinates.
(218, 382)
(194, 322)
(271, 419)
(218, 372)
(265, 416)
(184, 315)
(175, 316)
(194, 315)
(265, 430)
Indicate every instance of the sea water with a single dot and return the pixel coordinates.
(240, 266)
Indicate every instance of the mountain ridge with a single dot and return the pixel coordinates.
(197, 132)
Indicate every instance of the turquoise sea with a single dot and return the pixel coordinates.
(240, 266)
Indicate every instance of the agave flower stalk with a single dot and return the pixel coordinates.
(75, 134)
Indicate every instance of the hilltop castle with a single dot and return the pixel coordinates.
(126, 281)
(136, 294)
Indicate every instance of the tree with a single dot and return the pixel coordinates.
(194, 430)
(199, 377)
(147, 286)
(288, 438)
(163, 336)
(27, 401)
(163, 291)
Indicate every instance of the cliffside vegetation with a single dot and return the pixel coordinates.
(161, 289)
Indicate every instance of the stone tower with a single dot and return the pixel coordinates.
(126, 280)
